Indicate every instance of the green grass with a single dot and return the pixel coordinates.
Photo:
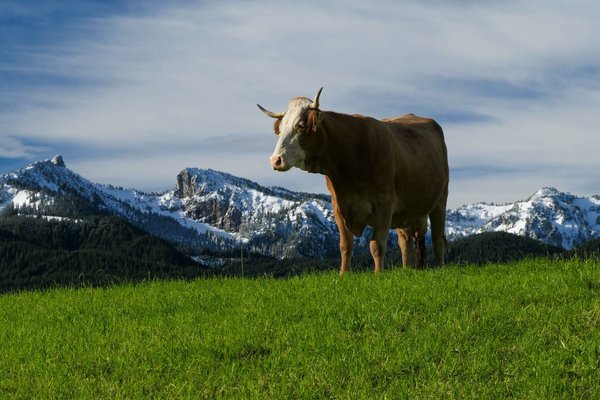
(524, 330)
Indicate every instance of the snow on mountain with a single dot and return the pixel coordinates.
(217, 211)
(50, 188)
(268, 220)
(553, 217)
(223, 211)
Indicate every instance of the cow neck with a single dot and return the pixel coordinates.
(339, 153)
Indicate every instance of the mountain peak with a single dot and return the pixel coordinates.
(546, 191)
(192, 181)
(58, 161)
(196, 181)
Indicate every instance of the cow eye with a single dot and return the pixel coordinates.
(301, 124)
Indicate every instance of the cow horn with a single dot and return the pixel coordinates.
(315, 103)
(270, 113)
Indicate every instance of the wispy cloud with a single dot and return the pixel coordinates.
(11, 147)
(514, 84)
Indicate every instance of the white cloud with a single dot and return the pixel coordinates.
(168, 83)
(11, 147)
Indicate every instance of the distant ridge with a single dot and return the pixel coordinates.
(549, 215)
(212, 211)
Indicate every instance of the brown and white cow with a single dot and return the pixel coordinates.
(390, 173)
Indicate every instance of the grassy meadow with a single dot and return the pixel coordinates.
(525, 330)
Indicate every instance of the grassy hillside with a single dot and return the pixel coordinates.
(525, 330)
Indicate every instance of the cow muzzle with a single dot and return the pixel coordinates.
(278, 164)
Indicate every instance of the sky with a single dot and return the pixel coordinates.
(130, 93)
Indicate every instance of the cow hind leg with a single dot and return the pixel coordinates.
(438, 238)
(405, 242)
(421, 251)
(420, 239)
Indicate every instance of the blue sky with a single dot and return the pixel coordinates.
(130, 93)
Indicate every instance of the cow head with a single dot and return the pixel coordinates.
(293, 127)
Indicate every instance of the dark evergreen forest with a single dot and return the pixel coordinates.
(497, 247)
(37, 253)
(100, 250)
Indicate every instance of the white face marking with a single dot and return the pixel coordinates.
(288, 145)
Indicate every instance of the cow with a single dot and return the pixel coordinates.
(388, 174)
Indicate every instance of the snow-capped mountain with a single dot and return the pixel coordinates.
(550, 216)
(48, 187)
(272, 221)
(211, 210)
(207, 210)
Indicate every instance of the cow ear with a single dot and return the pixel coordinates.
(312, 121)
(276, 126)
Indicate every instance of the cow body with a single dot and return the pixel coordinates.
(388, 174)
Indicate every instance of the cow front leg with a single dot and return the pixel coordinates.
(405, 242)
(381, 229)
(346, 245)
(378, 246)
(346, 237)
(346, 240)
